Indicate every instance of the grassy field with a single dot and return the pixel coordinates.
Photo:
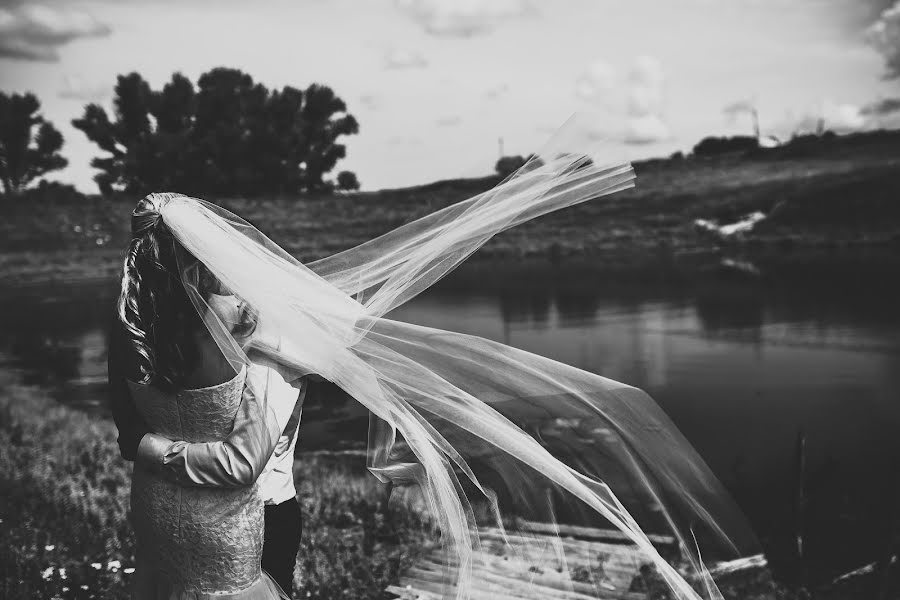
(65, 530)
(63, 513)
(836, 195)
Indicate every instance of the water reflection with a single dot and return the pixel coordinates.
(533, 308)
(55, 338)
(45, 359)
(742, 366)
(730, 310)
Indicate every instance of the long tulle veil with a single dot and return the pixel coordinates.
(489, 434)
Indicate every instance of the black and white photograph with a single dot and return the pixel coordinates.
(450, 299)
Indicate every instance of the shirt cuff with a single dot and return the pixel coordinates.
(152, 450)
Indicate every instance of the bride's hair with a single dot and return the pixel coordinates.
(158, 317)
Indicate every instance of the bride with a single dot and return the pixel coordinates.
(215, 314)
(197, 513)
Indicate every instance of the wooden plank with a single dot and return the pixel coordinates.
(591, 533)
(614, 567)
(486, 581)
(757, 561)
(493, 538)
(546, 581)
(610, 565)
(618, 562)
(536, 564)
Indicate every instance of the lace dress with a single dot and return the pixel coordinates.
(196, 542)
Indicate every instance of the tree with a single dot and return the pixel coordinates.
(507, 165)
(226, 136)
(714, 146)
(347, 181)
(322, 130)
(29, 145)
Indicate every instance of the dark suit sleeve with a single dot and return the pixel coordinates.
(129, 422)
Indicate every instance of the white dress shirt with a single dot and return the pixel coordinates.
(276, 483)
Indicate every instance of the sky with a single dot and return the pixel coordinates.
(441, 87)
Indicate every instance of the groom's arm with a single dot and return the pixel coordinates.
(239, 459)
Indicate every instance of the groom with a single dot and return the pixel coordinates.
(283, 524)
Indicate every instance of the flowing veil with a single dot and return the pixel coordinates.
(490, 435)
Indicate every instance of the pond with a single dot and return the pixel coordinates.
(750, 361)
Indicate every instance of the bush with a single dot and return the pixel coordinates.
(508, 165)
(347, 181)
(714, 146)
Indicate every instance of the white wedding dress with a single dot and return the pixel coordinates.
(196, 542)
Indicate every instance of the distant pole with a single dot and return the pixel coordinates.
(800, 503)
(756, 123)
(500, 146)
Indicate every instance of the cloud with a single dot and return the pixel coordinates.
(739, 107)
(496, 91)
(829, 115)
(645, 124)
(597, 83)
(462, 18)
(884, 35)
(448, 121)
(76, 88)
(843, 117)
(645, 83)
(629, 107)
(885, 106)
(370, 101)
(883, 113)
(409, 141)
(34, 32)
(647, 129)
(395, 59)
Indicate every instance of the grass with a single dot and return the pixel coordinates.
(839, 194)
(65, 530)
(64, 505)
(64, 513)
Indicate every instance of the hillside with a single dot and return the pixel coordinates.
(819, 195)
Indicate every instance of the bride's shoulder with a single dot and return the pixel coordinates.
(212, 367)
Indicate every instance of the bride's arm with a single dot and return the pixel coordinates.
(238, 460)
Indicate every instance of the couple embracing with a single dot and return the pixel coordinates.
(219, 332)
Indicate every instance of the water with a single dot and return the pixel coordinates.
(746, 365)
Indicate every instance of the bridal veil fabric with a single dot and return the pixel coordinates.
(490, 435)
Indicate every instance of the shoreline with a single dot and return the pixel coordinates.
(80, 267)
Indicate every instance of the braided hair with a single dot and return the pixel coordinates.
(154, 310)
